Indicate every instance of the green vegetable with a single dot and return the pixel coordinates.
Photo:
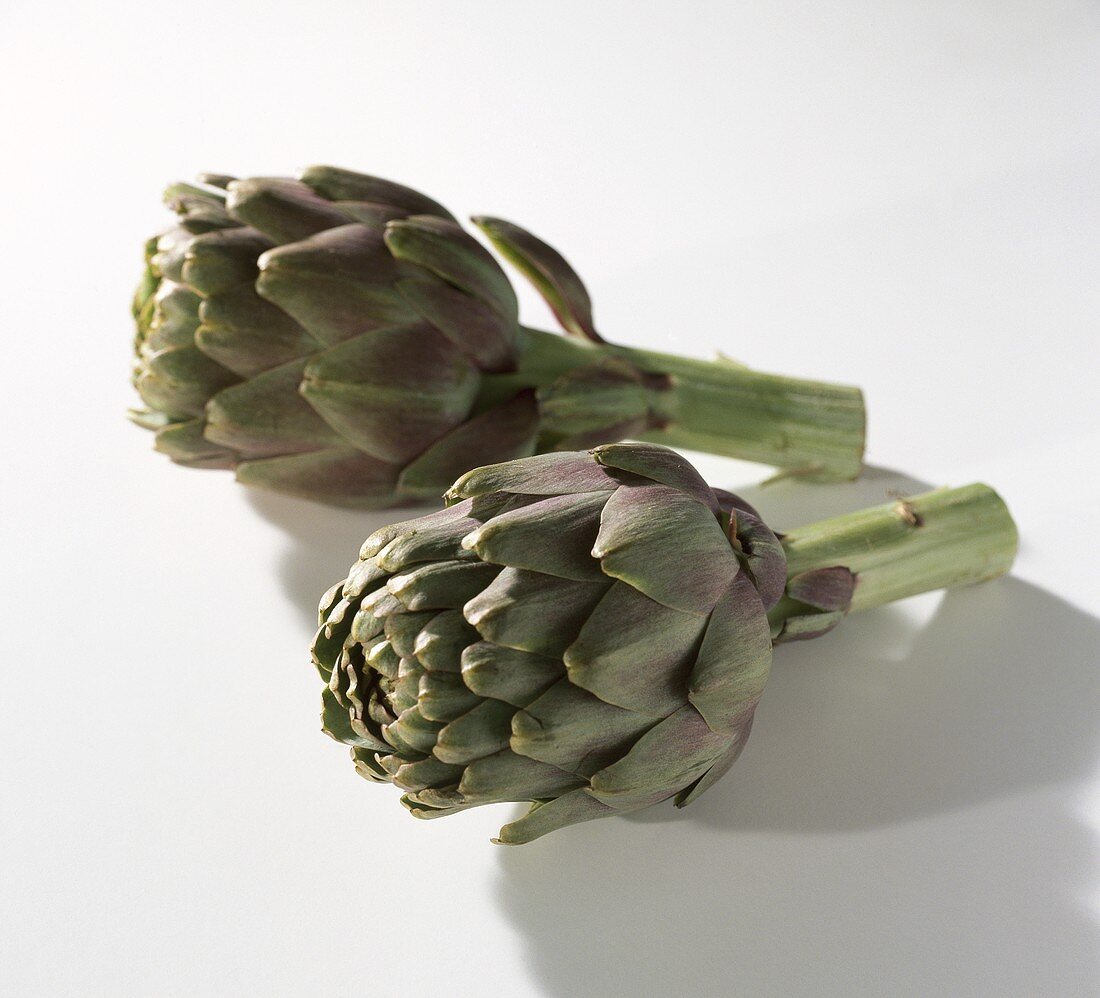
(592, 632)
(342, 338)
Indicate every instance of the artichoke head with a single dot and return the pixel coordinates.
(326, 336)
(584, 631)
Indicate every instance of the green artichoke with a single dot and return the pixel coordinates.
(592, 632)
(343, 338)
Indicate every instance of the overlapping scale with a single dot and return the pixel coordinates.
(369, 392)
(337, 283)
(355, 321)
(640, 527)
(444, 248)
(556, 643)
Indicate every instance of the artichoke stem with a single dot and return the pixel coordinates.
(944, 538)
(807, 428)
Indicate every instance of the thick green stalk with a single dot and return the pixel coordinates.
(807, 427)
(944, 538)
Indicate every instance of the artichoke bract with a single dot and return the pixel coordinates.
(341, 337)
(592, 632)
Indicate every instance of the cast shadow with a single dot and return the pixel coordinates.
(902, 822)
(322, 543)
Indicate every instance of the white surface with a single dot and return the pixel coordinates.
(901, 195)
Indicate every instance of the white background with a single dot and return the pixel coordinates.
(903, 195)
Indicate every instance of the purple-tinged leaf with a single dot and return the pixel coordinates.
(547, 270)
(666, 544)
(734, 659)
(503, 433)
(824, 588)
(658, 464)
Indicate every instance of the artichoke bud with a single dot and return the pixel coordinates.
(352, 318)
(586, 632)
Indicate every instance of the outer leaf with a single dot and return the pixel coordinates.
(658, 464)
(533, 612)
(591, 401)
(441, 585)
(636, 653)
(282, 209)
(249, 335)
(734, 659)
(364, 577)
(367, 765)
(506, 776)
(576, 731)
(541, 475)
(417, 526)
(175, 318)
(667, 758)
(440, 644)
(481, 732)
(722, 766)
(553, 536)
(802, 627)
(392, 392)
(402, 630)
(185, 444)
(481, 332)
(444, 697)
(223, 259)
(342, 476)
(503, 433)
(448, 251)
(266, 417)
(425, 773)
(199, 211)
(178, 381)
(383, 658)
(168, 259)
(411, 733)
(435, 537)
(420, 809)
(335, 721)
(337, 284)
(765, 556)
(824, 588)
(667, 545)
(569, 809)
(336, 184)
(547, 270)
(516, 677)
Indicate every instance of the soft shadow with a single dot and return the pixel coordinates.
(323, 542)
(902, 822)
(875, 724)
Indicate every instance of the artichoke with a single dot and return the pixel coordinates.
(592, 632)
(342, 338)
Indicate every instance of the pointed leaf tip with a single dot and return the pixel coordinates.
(547, 270)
